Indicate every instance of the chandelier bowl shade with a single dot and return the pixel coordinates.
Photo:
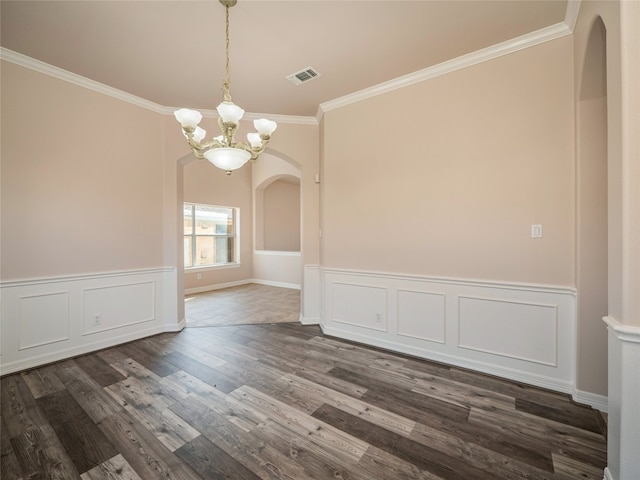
(227, 159)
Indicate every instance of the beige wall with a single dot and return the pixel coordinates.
(446, 177)
(82, 180)
(281, 209)
(300, 143)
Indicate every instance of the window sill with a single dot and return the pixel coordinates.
(205, 268)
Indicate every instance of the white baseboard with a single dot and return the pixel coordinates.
(181, 325)
(309, 320)
(217, 286)
(220, 286)
(599, 402)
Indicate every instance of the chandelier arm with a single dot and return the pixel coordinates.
(197, 153)
(254, 151)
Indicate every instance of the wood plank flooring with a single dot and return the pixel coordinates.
(252, 304)
(283, 401)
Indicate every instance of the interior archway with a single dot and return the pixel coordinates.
(277, 205)
(592, 216)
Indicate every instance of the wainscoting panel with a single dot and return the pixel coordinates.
(422, 315)
(49, 319)
(360, 305)
(115, 306)
(311, 295)
(527, 331)
(517, 331)
(44, 319)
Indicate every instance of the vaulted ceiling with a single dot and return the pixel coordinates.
(172, 52)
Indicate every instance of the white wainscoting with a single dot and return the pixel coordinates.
(279, 269)
(311, 295)
(49, 319)
(521, 332)
(623, 460)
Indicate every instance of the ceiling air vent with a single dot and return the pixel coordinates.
(303, 76)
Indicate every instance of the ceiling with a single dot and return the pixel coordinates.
(172, 52)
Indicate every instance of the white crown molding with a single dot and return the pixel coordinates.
(571, 14)
(296, 119)
(519, 43)
(59, 73)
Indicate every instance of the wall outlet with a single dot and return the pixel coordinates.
(97, 319)
(199, 276)
(378, 318)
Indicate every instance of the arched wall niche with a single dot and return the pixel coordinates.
(277, 220)
(277, 204)
(592, 219)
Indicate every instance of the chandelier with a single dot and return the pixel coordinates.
(223, 151)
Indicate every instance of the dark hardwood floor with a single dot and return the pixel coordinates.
(283, 402)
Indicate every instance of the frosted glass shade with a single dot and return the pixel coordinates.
(227, 159)
(230, 112)
(254, 140)
(199, 134)
(187, 117)
(264, 126)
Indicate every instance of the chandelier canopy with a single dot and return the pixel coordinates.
(223, 151)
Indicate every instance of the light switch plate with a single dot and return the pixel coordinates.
(536, 231)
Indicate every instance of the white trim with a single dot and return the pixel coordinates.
(459, 281)
(508, 373)
(625, 333)
(220, 286)
(607, 474)
(292, 286)
(218, 266)
(83, 276)
(571, 14)
(309, 320)
(519, 43)
(182, 324)
(295, 119)
(114, 331)
(275, 253)
(70, 77)
(559, 377)
(58, 355)
(217, 286)
(599, 402)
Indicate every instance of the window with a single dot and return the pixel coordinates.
(210, 234)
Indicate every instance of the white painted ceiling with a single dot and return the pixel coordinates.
(172, 52)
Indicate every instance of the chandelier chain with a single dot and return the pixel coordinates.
(227, 83)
